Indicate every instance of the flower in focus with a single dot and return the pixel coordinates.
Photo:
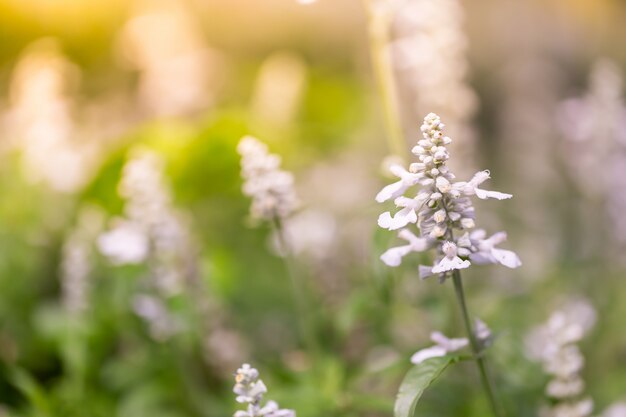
(440, 207)
(271, 189)
(250, 390)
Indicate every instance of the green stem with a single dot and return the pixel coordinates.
(480, 360)
(378, 26)
(306, 330)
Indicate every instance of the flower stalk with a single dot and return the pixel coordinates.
(474, 344)
(274, 200)
(379, 19)
(306, 326)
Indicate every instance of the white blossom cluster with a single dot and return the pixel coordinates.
(444, 345)
(595, 128)
(250, 390)
(152, 227)
(271, 189)
(41, 119)
(440, 207)
(153, 232)
(430, 53)
(554, 345)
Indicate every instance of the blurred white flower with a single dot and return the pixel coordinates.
(442, 347)
(483, 334)
(279, 88)
(125, 243)
(76, 260)
(554, 345)
(581, 408)
(250, 390)
(311, 233)
(164, 43)
(154, 232)
(41, 120)
(152, 309)
(594, 127)
(430, 53)
(615, 410)
(271, 189)
(440, 206)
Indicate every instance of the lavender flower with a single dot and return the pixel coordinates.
(250, 390)
(440, 207)
(271, 188)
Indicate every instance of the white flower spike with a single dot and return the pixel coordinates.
(250, 390)
(271, 189)
(441, 207)
(554, 345)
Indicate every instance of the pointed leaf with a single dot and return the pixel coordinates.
(416, 381)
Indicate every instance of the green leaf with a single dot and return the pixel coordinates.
(35, 394)
(416, 381)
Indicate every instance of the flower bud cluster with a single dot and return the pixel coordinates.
(271, 189)
(554, 345)
(250, 390)
(441, 206)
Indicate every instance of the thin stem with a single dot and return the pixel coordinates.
(378, 27)
(306, 330)
(480, 360)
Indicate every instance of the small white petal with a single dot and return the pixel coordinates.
(482, 258)
(507, 258)
(484, 194)
(479, 178)
(384, 220)
(402, 218)
(425, 271)
(393, 256)
(428, 353)
(391, 191)
(447, 264)
(418, 244)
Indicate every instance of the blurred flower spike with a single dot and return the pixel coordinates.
(271, 189)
